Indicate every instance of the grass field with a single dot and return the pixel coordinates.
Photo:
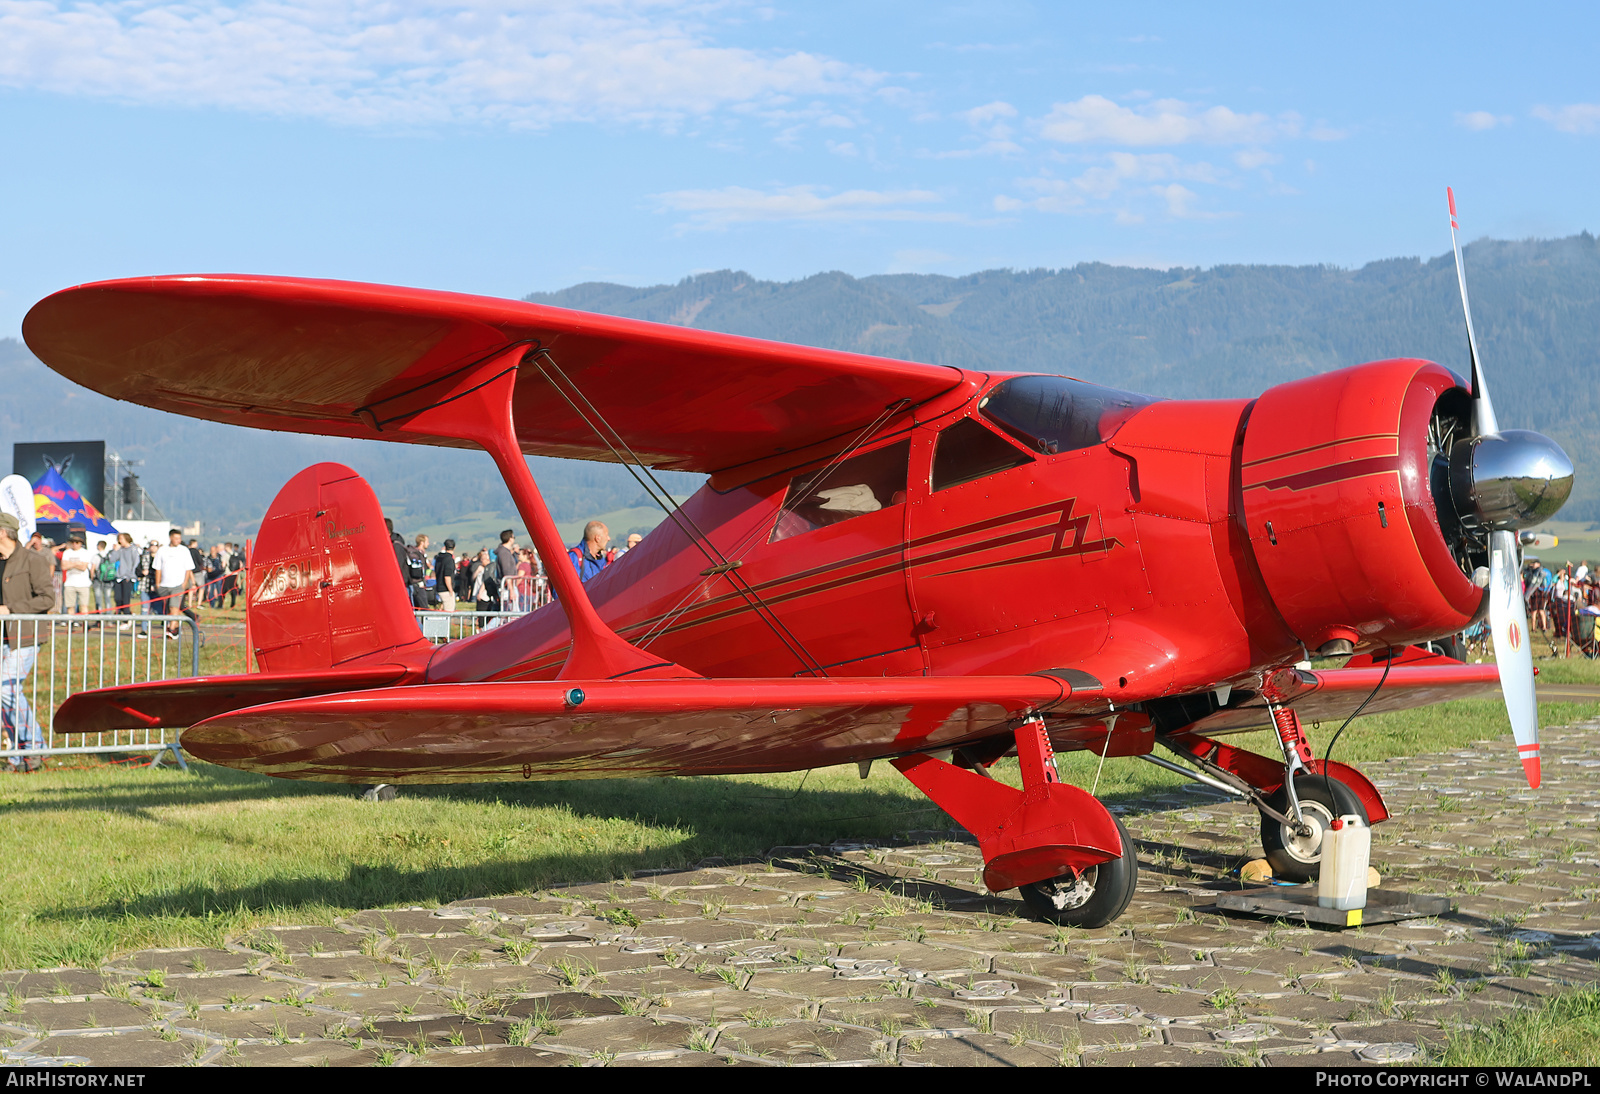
(1563, 1032)
(113, 857)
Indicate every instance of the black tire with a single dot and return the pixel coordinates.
(1299, 858)
(1092, 898)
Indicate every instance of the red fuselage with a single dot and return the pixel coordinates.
(1148, 553)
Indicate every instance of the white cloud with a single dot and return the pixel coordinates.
(717, 209)
(987, 114)
(1574, 118)
(989, 128)
(1180, 203)
(1255, 157)
(1095, 119)
(1481, 119)
(987, 148)
(407, 62)
(1160, 174)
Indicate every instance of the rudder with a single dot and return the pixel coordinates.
(324, 587)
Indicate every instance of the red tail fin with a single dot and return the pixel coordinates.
(325, 588)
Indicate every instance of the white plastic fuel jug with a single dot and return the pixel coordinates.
(1346, 849)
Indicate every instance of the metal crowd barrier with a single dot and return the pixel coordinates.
(524, 594)
(442, 627)
(75, 653)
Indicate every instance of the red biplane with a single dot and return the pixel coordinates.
(923, 564)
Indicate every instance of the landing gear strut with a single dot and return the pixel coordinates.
(1072, 860)
(1298, 797)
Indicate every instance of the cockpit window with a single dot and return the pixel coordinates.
(967, 451)
(1054, 414)
(861, 484)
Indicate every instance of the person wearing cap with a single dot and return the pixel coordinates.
(77, 584)
(26, 588)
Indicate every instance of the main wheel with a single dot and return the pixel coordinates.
(1292, 855)
(1092, 898)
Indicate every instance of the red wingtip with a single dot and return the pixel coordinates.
(1451, 194)
(1530, 767)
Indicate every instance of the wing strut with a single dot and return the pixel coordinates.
(474, 404)
(539, 357)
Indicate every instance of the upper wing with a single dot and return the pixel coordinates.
(616, 728)
(324, 356)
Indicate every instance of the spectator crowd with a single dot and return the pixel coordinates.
(121, 578)
(507, 578)
(1563, 604)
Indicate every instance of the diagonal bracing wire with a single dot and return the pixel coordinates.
(791, 503)
(594, 419)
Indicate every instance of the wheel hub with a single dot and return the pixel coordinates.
(1305, 842)
(1069, 893)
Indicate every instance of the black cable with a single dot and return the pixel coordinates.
(378, 423)
(782, 797)
(1328, 752)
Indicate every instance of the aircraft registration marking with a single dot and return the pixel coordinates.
(287, 578)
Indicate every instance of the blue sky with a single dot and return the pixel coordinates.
(501, 148)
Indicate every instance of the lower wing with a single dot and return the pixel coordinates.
(613, 728)
(1325, 695)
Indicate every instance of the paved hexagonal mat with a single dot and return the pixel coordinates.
(858, 954)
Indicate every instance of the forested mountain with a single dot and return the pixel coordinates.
(1228, 330)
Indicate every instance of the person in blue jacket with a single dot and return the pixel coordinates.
(591, 556)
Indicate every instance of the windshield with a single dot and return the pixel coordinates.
(1054, 414)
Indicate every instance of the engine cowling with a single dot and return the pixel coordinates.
(1345, 481)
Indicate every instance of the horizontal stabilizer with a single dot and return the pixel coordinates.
(184, 702)
(612, 728)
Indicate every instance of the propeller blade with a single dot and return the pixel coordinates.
(1513, 650)
(1508, 614)
(1483, 409)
